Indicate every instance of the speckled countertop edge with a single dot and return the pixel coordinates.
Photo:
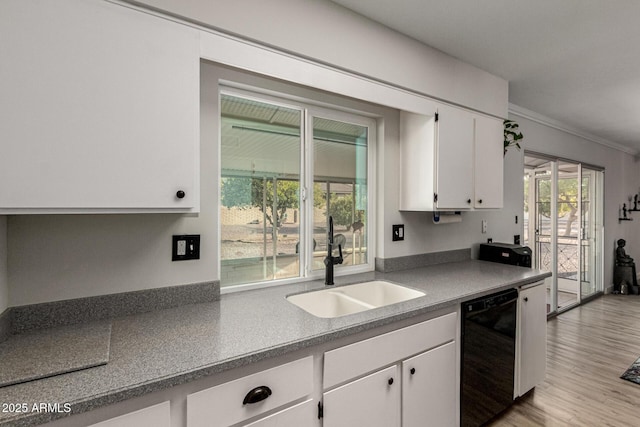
(157, 350)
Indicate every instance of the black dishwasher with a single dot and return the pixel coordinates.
(488, 357)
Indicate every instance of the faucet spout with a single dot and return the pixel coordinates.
(330, 260)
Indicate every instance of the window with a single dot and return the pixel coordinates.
(285, 168)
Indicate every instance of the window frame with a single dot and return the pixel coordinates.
(309, 108)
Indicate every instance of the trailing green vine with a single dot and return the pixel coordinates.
(511, 135)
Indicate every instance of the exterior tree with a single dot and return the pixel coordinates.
(341, 208)
(247, 192)
(567, 201)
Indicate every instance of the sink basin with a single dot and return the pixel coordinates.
(343, 300)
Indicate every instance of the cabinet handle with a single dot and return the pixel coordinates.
(256, 395)
(413, 371)
(526, 299)
(390, 381)
(468, 200)
(180, 194)
(480, 201)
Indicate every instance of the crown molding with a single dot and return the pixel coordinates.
(555, 124)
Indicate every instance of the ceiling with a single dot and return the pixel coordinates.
(574, 61)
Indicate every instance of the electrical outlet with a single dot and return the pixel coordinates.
(516, 239)
(185, 247)
(181, 249)
(398, 232)
(484, 226)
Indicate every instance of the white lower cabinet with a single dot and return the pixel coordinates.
(406, 378)
(429, 389)
(301, 415)
(156, 415)
(254, 395)
(531, 349)
(372, 401)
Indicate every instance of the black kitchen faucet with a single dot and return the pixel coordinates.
(330, 260)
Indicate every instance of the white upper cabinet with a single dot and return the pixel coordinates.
(489, 169)
(451, 160)
(454, 159)
(99, 109)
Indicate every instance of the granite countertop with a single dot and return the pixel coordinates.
(156, 350)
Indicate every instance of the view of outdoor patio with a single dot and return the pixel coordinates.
(569, 199)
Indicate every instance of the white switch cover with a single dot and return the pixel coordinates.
(484, 226)
(182, 247)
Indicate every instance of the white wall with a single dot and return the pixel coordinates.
(4, 283)
(620, 181)
(57, 257)
(332, 34)
(68, 256)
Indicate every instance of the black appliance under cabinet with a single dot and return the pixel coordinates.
(488, 357)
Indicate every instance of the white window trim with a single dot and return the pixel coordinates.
(309, 109)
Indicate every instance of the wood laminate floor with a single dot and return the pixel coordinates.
(588, 348)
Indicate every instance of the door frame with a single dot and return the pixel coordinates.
(596, 200)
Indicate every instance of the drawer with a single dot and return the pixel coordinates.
(157, 416)
(351, 361)
(223, 405)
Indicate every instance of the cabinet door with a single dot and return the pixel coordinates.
(489, 163)
(454, 158)
(533, 337)
(372, 401)
(99, 109)
(429, 388)
(304, 414)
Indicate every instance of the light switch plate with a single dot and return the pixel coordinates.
(185, 247)
(398, 232)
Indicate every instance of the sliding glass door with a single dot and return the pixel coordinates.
(563, 227)
(591, 239)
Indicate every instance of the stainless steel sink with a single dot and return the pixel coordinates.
(343, 300)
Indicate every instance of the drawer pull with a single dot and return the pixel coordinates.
(413, 371)
(256, 395)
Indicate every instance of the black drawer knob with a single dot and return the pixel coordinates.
(526, 299)
(413, 371)
(180, 194)
(468, 200)
(256, 395)
(480, 201)
(390, 381)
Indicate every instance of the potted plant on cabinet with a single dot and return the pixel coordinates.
(511, 135)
